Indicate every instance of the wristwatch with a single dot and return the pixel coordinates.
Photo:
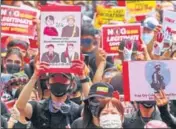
(87, 79)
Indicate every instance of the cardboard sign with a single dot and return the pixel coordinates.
(140, 7)
(60, 36)
(106, 14)
(113, 35)
(143, 78)
(17, 22)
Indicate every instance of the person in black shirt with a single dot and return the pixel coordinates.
(55, 112)
(97, 92)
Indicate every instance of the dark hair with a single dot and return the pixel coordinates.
(88, 30)
(115, 102)
(50, 17)
(87, 115)
(14, 51)
(17, 42)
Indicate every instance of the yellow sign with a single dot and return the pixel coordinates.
(106, 14)
(102, 89)
(140, 7)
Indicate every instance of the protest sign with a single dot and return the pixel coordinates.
(60, 36)
(113, 35)
(169, 27)
(140, 7)
(106, 14)
(154, 75)
(17, 22)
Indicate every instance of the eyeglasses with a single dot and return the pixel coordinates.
(13, 61)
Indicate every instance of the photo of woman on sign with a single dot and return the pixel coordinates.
(49, 29)
(69, 54)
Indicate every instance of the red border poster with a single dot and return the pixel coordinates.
(151, 76)
(60, 36)
(113, 35)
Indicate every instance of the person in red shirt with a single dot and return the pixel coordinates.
(49, 30)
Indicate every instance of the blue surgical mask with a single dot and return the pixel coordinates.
(86, 42)
(147, 38)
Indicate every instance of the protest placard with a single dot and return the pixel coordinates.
(113, 35)
(140, 7)
(154, 75)
(106, 14)
(60, 36)
(17, 22)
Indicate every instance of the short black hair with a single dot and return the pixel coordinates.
(88, 30)
(17, 42)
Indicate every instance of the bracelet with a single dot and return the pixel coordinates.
(87, 79)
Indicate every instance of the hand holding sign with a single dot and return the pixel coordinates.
(40, 68)
(128, 50)
(79, 68)
(160, 37)
(161, 99)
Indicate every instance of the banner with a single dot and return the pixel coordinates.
(106, 14)
(113, 35)
(140, 7)
(17, 22)
(60, 36)
(154, 75)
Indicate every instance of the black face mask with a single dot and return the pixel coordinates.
(148, 104)
(13, 68)
(77, 100)
(94, 107)
(58, 89)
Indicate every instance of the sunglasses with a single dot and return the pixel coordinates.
(86, 41)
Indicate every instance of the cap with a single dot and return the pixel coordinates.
(68, 76)
(155, 124)
(150, 23)
(158, 66)
(49, 45)
(100, 89)
(18, 78)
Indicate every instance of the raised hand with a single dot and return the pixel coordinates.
(161, 99)
(128, 50)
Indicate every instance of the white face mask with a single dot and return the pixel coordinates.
(14, 91)
(110, 121)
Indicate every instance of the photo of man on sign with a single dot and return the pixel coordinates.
(70, 30)
(50, 56)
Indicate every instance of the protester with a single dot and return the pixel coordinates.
(98, 91)
(147, 111)
(16, 81)
(58, 105)
(13, 61)
(95, 92)
(111, 113)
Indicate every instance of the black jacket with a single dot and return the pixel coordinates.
(167, 117)
(136, 121)
(43, 118)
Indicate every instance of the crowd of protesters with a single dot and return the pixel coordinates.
(89, 98)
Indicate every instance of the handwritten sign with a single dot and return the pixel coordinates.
(154, 75)
(113, 35)
(60, 36)
(17, 22)
(140, 7)
(106, 14)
